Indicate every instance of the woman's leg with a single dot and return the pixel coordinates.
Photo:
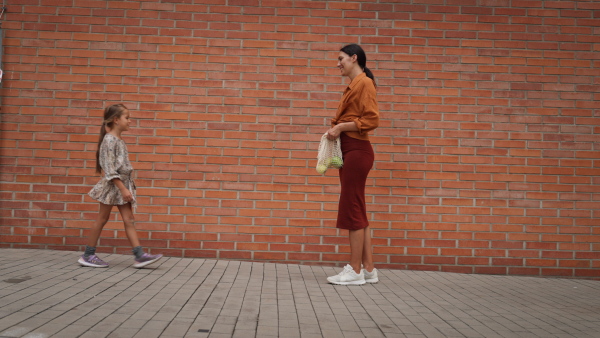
(357, 244)
(103, 215)
(367, 257)
(129, 223)
(361, 251)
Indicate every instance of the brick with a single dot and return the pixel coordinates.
(492, 138)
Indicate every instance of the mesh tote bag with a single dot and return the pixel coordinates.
(330, 154)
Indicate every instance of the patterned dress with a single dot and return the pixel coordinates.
(114, 160)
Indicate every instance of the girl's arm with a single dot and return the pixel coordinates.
(110, 161)
(127, 196)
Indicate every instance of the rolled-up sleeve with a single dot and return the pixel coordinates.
(359, 105)
(110, 159)
(369, 118)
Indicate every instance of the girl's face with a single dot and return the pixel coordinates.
(346, 63)
(123, 122)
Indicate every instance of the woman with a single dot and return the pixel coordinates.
(357, 114)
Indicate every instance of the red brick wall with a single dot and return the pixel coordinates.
(487, 157)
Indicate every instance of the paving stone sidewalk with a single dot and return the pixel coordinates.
(46, 293)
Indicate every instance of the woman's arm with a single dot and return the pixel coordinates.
(336, 130)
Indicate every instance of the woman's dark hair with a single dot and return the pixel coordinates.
(361, 58)
(110, 113)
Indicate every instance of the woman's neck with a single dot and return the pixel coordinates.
(356, 71)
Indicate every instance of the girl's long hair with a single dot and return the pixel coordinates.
(361, 58)
(110, 113)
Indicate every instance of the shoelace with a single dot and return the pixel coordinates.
(346, 269)
(94, 259)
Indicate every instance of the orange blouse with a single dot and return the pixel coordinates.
(359, 105)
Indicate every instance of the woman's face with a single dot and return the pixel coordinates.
(346, 63)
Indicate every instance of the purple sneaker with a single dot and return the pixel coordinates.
(146, 259)
(92, 261)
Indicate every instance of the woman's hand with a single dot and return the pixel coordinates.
(333, 133)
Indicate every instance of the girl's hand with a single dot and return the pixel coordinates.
(127, 195)
(333, 133)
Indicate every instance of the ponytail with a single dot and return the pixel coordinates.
(370, 75)
(102, 134)
(110, 113)
(361, 58)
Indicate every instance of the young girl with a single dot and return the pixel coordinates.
(115, 188)
(357, 114)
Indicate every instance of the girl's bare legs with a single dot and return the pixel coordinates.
(103, 216)
(357, 244)
(90, 259)
(129, 222)
(367, 257)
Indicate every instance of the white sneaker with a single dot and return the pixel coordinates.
(370, 277)
(347, 277)
(336, 278)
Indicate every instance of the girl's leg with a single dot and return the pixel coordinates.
(103, 215)
(357, 244)
(141, 259)
(89, 257)
(129, 223)
(367, 257)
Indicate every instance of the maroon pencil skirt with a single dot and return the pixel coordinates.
(358, 159)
